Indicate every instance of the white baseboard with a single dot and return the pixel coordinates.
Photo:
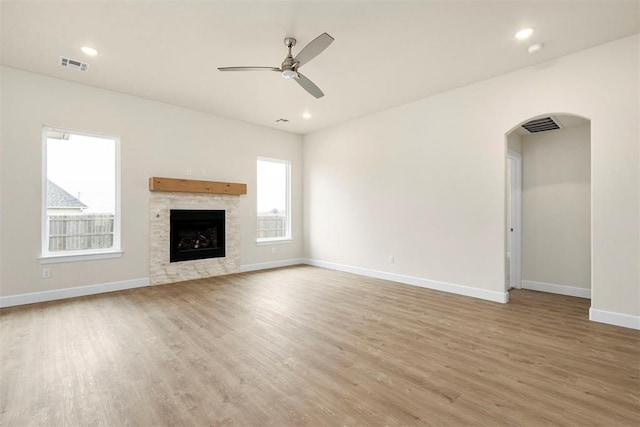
(80, 291)
(271, 264)
(602, 316)
(501, 297)
(556, 289)
(613, 318)
(57, 294)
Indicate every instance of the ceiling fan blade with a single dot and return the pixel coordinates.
(309, 86)
(249, 69)
(313, 49)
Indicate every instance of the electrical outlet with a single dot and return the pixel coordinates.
(391, 259)
(189, 171)
(46, 273)
(204, 172)
(273, 249)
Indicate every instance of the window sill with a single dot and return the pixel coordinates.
(75, 256)
(265, 242)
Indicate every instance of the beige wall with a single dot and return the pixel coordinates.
(1, 177)
(156, 140)
(425, 181)
(514, 142)
(556, 207)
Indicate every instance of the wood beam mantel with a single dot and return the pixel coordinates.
(194, 186)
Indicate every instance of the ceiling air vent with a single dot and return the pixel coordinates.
(542, 125)
(72, 63)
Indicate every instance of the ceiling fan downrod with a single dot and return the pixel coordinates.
(289, 65)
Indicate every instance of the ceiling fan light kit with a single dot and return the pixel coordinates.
(289, 74)
(291, 64)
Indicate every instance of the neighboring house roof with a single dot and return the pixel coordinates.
(58, 198)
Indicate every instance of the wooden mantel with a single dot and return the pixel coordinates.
(194, 186)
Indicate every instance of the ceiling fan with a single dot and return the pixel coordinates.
(290, 65)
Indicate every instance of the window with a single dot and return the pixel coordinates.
(274, 210)
(81, 188)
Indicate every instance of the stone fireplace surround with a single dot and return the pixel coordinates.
(160, 269)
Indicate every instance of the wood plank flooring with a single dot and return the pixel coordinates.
(308, 346)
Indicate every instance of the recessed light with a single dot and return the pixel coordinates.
(306, 115)
(89, 50)
(535, 48)
(525, 33)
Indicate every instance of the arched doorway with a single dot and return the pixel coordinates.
(548, 205)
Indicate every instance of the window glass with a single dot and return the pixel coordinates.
(273, 200)
(81, 193)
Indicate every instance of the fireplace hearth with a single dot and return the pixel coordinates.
(196, 234)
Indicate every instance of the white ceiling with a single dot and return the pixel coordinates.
(385, 53)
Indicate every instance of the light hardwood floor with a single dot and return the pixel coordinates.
(308, 346)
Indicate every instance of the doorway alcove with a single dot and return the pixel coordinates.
(548, 205)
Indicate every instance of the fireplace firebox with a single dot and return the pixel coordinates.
(196, 234)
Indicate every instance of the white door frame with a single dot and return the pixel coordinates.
(515, 270)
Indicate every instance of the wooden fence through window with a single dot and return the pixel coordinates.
(271, 225)
(80, 232)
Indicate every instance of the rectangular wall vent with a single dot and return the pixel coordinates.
(542, 125)
(74, 64)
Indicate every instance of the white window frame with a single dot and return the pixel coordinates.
(115, 251)
(287, 237)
